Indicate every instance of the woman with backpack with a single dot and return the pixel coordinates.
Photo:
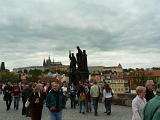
(82, 99)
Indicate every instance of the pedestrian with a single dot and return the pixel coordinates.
(65, 93)
(36, 100)
(0, 88)
(152, 108)
(88, 97)
(149, 90)
(55, 101)
(138, 103)
(16, 95)
(8, 95)
(72, 95)
(82, 99)
(95, 94)
(27, 90)
(107, 95)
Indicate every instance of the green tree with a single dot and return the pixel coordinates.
(46, 71)
(8, 77)
(34, 75)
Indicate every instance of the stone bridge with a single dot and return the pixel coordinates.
(118, 113)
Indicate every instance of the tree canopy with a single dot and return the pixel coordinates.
(6, 76)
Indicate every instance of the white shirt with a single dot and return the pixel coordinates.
(64, 89)
(107, 94)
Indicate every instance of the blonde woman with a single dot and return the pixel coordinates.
(138, 103)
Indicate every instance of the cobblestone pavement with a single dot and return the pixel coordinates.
(118, 113)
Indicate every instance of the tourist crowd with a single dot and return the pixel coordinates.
(54, 96)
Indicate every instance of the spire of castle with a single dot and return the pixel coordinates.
(44, 62)
(49, 60)
(53, 60)
(119, 65)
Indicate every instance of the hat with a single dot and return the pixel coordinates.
(158, 87)
(149, 82)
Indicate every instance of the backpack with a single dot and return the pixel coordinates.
(82, 96)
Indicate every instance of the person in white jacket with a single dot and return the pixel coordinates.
(107, 95)
(138, 103)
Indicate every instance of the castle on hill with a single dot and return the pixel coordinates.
(49, 63)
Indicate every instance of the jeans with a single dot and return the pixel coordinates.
(82, 106)
(16, 102)
(108, 105)
(56, 115)
(95, 104)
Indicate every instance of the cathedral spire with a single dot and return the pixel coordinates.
(53, 60)
(44, 62)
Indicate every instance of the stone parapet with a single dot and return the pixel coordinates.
(124, 99)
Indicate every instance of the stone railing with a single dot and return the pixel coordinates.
(124, 99)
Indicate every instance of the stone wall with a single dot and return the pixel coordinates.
(124, 99)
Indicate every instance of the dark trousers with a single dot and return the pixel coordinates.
(95, 104)
(36, 114)
(108, 105)
(8, 103)
(88, 106)
(24, 108)
(73, 101)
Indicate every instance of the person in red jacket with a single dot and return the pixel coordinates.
(16, 95)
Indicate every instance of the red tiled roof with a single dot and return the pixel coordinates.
(153, 72)
(96, 78)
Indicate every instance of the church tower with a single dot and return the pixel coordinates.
(44, 62)
(2, 66)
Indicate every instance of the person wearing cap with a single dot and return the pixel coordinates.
(138, 103)
(149, 90)
(152, 108)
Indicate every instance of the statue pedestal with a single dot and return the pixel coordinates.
(77, 77)
(84, 76)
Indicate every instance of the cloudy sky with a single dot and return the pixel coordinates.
(111, 31)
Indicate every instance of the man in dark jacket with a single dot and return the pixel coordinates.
(8, 95)
(27, 90)
(149, 90)
(55, 101)
(152, 108)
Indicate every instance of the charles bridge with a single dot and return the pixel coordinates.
(121, 110)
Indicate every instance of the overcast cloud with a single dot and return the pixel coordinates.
(111, 31)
